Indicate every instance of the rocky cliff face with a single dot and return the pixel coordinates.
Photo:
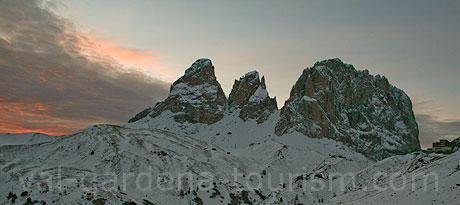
(329, 100)
(334, 100)
(196, 97)
(456, 144)
(249, 94)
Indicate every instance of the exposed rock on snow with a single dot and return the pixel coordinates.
(456, 144)
(196, 97)
(114, 164)
(337, 120)
(249, 94)
(329, 100)
(336, 101)
(141, 115)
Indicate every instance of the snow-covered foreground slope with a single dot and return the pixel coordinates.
(198, 147)
(410, 179)
(122, 164)
(135, 163)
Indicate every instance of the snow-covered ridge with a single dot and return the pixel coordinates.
(338, 120)
(195, 97)
(89, 160)
(194, 94)
(198, 65)
(24, 138)
(331, 99)
(260, 95)
(250, 97)
(254, 73)
(334, 100)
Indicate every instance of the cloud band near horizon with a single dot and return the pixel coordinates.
(56, 80)
(50, 83)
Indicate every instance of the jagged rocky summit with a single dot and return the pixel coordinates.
(329, 100)
(196, 97)
(334, 100)
(249, 94)
(334, 112)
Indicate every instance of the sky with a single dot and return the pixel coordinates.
(65, 65)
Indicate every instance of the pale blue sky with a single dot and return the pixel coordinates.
(416, 44)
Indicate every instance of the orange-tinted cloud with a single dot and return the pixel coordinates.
(143, 60)
(52, 81)
(52, 129)
(22, 117)
(95, 47)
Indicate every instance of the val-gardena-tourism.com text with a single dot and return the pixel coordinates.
(185, 182)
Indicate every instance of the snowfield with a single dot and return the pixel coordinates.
(135, 162)
(198, 147)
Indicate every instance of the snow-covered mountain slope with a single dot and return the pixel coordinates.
(24, 138)
(334, 100)
(112, 163)
(195, 97)
(456, 144)
(411, 179)
(112, 150)
(100, 156)
(329, 100)
(92, 162)
(249, 95)
(198, 147)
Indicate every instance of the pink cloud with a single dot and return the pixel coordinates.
(131, 57)
(139, 59)
(55, 80)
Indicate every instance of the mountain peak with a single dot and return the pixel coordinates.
(329, 100)
(334, 64)
(331, 60)
(196, 97)
(334, 100)
(253, 73)
(249, 94)
(200, 65)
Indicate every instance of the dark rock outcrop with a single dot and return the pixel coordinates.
(196, 97)
(141, 115)
(329, 100)
(249, 94)
(334, 100)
